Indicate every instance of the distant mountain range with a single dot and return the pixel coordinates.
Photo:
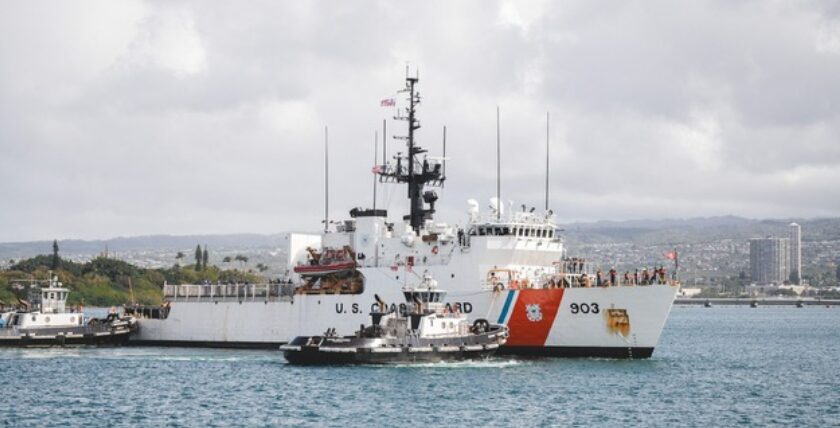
(18, 250)
(698, 230)
(642, 232)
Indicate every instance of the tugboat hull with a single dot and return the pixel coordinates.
(313, 356)
(47, 339)
(107, 332)
(320, 350)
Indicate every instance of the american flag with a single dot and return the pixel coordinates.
(387, 102)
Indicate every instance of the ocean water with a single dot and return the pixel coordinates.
(723, 366)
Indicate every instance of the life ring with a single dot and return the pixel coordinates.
(498, 287)
(435, 249)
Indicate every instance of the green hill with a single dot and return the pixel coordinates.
(107, 282)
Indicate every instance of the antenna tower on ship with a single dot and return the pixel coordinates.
(417, 173)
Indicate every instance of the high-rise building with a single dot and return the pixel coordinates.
(769, 258)
(795, 254)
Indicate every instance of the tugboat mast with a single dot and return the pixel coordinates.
(416, 173)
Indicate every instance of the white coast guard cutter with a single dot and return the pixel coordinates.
(504, 266)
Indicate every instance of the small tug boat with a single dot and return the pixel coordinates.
(430, 332)
(47, 322)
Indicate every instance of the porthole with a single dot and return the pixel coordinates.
(47, 319)
(34, 318)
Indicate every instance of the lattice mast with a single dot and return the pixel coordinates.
(410, 169)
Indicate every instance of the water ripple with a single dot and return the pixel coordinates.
(714, 367)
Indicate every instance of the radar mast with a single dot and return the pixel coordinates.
(410, 169)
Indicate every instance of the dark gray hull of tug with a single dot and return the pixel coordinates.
(320, 350)
(310, 356)
(47, 340)
(109, 331)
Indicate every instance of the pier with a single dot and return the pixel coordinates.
(752, 301)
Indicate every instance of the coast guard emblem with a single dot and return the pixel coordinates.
(533, 312)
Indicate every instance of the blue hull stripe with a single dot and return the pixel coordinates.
(506, 307)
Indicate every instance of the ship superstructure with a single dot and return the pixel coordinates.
(505, 265)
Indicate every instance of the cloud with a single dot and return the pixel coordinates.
(183, 117)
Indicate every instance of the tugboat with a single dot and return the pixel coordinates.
(430, 332)
(46, 321)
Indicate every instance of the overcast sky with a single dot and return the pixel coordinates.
(175, 117)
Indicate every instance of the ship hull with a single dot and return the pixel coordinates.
(633, 352)
(611, 322)
(521, 351)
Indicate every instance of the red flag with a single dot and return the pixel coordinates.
(671, 255)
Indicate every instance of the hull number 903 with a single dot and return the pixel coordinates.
(584, 308)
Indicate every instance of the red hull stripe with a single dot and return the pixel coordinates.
(533, 315)
(325, 268)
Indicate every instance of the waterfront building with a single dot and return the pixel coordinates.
(766, 290)
(769, 258)
(795, 265)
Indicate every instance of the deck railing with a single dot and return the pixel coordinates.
(567, 280)
(274, 291)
